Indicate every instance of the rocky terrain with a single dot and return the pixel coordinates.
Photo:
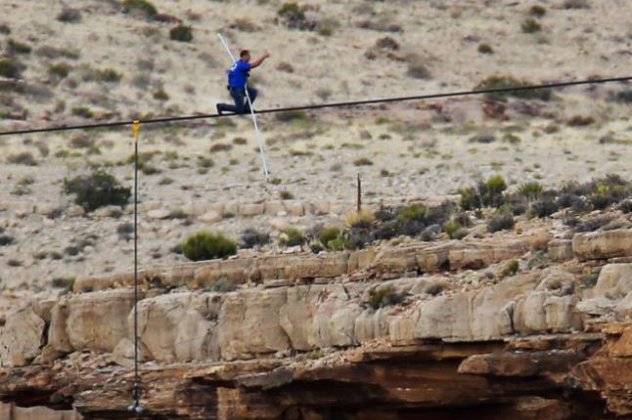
(488, 275)
(421, 329)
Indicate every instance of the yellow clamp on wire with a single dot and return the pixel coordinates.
(136, 128)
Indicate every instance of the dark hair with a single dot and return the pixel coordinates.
(243, 53)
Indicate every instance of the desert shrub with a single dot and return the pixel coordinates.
(220, 147)
(83, 112)
(505, 82)
(141, 7)
(327, 26)
(417, 67)
(511, 138)
(6, 240)
(580, 121)
(69, 15)
(333, 239)
(530, 26)
(530, 190)
(576, 4)
(293, 16)
(22, 158)
(383, 24)
(59, 71)
(413, 213)
(207, 246)
(454, 229)
(125, 231)
(484, 138)
(544, 208)
(485, 49)
(82, 141)
(502, 221)
(66, 283)
(251, 238)
(625, 206)
(16, 47)
(491, 191)
(244, 25)
(5, 29)
(510, 268)
(292, 237)
(387, 43)
(537, 11)
(291, 116)
(10, 68)
(361, 220)
(181, 34)
(286, 195)
(285, 67)
(109, 76)
(384, 296)
(96, 190)
(161, 95)
(625, 96)
(363, 162)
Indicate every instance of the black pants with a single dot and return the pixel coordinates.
(241, 102)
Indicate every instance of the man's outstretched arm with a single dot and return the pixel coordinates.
(260, 60)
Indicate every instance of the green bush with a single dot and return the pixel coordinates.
(207, 246)
(10, 68)
(291, 116)
(506, 82)
(181, 34)
(142, 7)
(69, 15)
(531, 26)
(625, 96)
(485, 49)
(537, 11)
(413, 213)
(16, 47)
(60, 71)
(292, 237)
(22, 158)
(97, 190)
(286, 195)
(83, 112)
(510, 268)
(530, 190)
(109, 76)
(252, 238)
(454, 229)
(502, 221)
(363, 162)
(293, 16)
(161, 95)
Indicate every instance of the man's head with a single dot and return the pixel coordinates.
(244, 55)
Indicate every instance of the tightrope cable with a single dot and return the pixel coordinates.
(166, 120)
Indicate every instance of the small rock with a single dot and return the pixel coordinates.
(158, 214)
(211, 217)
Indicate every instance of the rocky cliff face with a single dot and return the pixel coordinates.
(523, 326)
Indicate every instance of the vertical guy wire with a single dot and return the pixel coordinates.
(135, 394)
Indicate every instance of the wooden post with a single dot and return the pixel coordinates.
(359, 207)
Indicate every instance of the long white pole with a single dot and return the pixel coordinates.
(259, 136)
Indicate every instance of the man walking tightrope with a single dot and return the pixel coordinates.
(237, 80)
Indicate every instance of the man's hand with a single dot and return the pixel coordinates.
(260, 60)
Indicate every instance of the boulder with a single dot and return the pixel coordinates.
(251, 210)
(96, 321)
(562, 314)
(158, 214)
(21, 337)
(481, 255)
(248, 324)
(614, 282)
(178, 327)
(211, 217)
(603, 244)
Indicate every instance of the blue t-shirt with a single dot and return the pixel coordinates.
(238, 74)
